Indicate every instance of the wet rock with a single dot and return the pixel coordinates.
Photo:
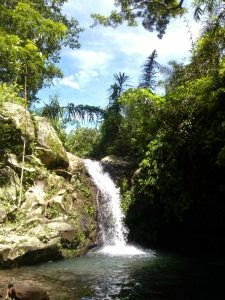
(26, 290)
(17, 250)
(118, 167)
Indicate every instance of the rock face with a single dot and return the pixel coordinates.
(57, 217)
(20, 117)
(118, 167)
(50, 148)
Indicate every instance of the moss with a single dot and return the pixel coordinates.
(29, 178)
(16, 217)
(55, 147)
(10, 141)
(77, 242)
(53, 211)
(90, 210)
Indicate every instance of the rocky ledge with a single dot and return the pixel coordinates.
(57, 215)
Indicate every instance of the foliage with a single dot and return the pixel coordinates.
(180, 180)
(179, 186)
(178, 140)
(10, 93)
(139, 121)
(110, 126)
(155, 15)
(10, 140)
(150, 68)
(70, 113)
(31, 35)
(82, 141)
(127, 195)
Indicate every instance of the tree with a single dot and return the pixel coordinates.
(209, 7)
(150, 68)
(155, 14)
(112, 115)
(70, 113)
(140, 120)
(32, 34)
(82, 141)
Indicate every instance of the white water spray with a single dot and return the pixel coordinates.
(113, 231)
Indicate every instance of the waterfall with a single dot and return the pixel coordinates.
(113, 231)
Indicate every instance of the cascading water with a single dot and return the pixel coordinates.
(113, 231)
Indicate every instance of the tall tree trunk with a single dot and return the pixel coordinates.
(24, 140)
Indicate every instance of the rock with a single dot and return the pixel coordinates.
(66, 230)
(115, 160)
(58, 215)
(3, 215)
(50, 149)
(12, 160)
(26, 290)
(9, 185)
(63, 173)
(75, 163)
(33, 159)
(118, 167)
(35, 196)
(20, 117)
(27, 249)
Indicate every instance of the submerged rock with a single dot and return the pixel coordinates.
(26, 290)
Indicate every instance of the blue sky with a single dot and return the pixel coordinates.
(88, 71)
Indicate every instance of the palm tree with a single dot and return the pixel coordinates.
(71, 112)
(150, 69)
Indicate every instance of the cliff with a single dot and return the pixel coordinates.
(57, 215)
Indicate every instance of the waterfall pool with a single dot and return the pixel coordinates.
(121, 271)
(152, 276)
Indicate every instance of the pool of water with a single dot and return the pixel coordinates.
(151, 276)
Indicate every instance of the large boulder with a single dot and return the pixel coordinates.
(75, 163)
(57, 214)
(57, 219)
(20, 117)
(49, 147)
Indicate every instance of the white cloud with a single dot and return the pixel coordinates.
(82, 10)
(140, 43)
(77, 81)
(90, 59)
(69, 81)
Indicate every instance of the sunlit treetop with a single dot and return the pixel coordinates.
(32, 34)
(154, 14)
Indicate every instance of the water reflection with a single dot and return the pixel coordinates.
(96, 277)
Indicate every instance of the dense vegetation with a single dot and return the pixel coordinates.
(178, 140)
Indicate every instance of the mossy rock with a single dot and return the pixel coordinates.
(49, 147)
(20, 117)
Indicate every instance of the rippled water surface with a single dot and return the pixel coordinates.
(152, 276)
